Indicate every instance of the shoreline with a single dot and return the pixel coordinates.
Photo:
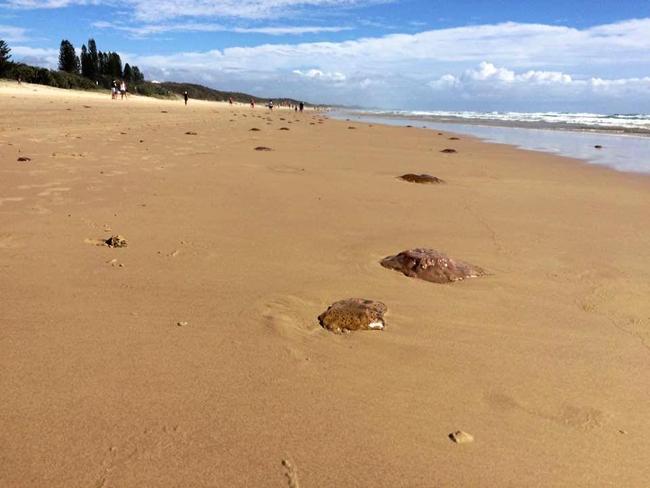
(623, 155)
(194, 356)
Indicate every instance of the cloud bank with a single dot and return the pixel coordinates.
(148, 10)
(509, 66)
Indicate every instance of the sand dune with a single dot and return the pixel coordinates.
(543, 362)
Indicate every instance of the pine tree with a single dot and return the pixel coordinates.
(128, 73)
(94, 58)
(114, 67)
(137, 75)
(4, 56)
(68, 60)
(86, 68)
(101, 63)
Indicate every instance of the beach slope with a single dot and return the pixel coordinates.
(194, 357)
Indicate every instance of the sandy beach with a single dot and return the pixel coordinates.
(193, 357)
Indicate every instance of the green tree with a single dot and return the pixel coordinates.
(4, 56)
(138, 77)
(128, 73)
(102, 63)
(68, 60)
(86, 68)
(94, 58)
(114, 65)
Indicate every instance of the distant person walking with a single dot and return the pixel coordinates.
(185, 97)
(252, 103)
(302, 106)
(122, 90)
(114, 90)
(230, 100)
(270, 104)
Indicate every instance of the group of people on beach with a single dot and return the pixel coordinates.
(118, 88)
(299, 107)
(269, 105)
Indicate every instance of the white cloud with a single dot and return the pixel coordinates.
(488, 82)
(320, 75)
(509, 64)
(535, 47)
(155, 10)
(152, 29)
(48, 58)
(10, 33)
(487, 72)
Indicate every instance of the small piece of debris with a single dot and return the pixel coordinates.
(351, 128)
(263, 148)
(24, 159)
(163, 111)
(454, 138)
(423, 178)
(460, 437)
(115, 263)
(116, 241)
(182, 324)
(284, 128)
(431, 265)
(353, 314)
(598, 146)
(190, 133)
(448, 151)
(254, 129)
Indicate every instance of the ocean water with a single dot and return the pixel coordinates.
(624, 123)
(622, 149)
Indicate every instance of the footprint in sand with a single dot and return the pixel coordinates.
(9, 241)
(291, 320)
(42, 185)
(39, 210)
(581, 418)
(10, 199)
(69, 155)
(291, 473)
(114, 172)
(142, 448)
(287, 169)
(51, 191)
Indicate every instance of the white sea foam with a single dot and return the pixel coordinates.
(633, 122)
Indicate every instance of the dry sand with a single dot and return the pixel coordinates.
(193, 356)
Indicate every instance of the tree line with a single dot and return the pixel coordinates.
(94, 64)
(93, 69)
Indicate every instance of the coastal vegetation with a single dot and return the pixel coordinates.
(93, 69)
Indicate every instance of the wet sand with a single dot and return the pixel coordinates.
(193, 356)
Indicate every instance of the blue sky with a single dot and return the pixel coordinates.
(410, 54)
